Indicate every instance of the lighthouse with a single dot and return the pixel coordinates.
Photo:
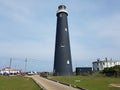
(62, 56)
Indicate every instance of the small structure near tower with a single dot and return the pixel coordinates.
(62, 58)
(10, 71)
(83, 71)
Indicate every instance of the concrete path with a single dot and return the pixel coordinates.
(50, 85)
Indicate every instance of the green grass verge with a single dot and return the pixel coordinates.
(89, 82)
(17, 83)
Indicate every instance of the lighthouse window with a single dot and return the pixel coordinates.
(62, 44)
(68, 62)
(66, 29)
(60, 15)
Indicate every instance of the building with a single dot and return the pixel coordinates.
(62, 57)
(101, 64)
(9, 70)
(83, 70)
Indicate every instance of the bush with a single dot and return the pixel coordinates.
(44, 74)
(112, 71)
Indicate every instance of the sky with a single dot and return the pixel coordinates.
(28, 28)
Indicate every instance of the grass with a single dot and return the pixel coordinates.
(89, 82)
(17, 83)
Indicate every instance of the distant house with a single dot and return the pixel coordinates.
(83, 70)
(9, 70)
(101, 64)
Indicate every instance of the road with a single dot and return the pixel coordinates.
(50, 85)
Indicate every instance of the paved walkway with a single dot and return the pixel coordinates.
(50, 85)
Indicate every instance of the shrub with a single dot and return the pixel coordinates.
(112, 71)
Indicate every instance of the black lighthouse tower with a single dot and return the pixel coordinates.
(62, 58)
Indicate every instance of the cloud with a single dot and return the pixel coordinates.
(99, 39)
(108, 28)
(27, 49)
(16, 11)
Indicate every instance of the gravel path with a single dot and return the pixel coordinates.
(50, 85)
(115, 85)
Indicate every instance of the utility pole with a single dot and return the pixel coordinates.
(25, 64)
(10, 62)
(10, 65)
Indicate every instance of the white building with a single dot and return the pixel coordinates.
(8, 70)
(101, 64)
